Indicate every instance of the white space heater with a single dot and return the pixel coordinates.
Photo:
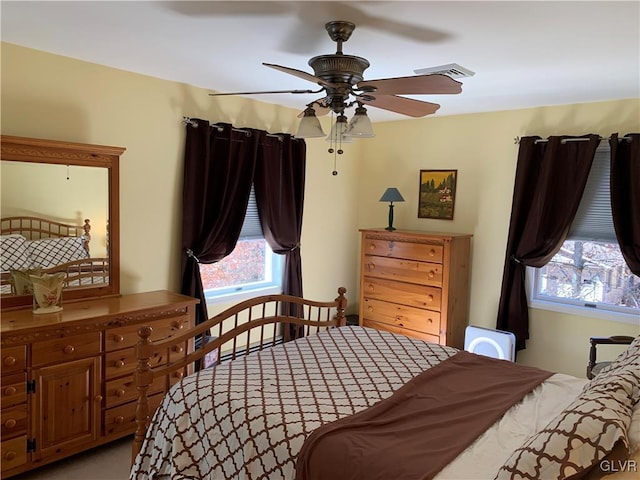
(490, 343)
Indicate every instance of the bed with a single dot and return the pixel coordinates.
(317, 399)
(35, 245)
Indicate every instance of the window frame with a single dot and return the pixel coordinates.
(274, 264)
(601, 311)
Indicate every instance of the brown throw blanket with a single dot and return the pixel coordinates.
(423, 426)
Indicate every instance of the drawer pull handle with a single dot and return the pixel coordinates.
(178, 325)
(98, 398)
(430, 298)
(9, 361)
(120, 392)
(11, 423)
(119, 364)
(432, 274)
(372, 246)
(119, 420)
(372, 267)
(178, 375)
(432, 253)
(118, 338)
(9, 456)
(69, 349)
(370, 309)
(10, 391)
(178, 349)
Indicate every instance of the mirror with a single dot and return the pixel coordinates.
(60, 213)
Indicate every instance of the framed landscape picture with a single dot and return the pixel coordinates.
(437, 195)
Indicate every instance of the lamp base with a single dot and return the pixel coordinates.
(391, 229)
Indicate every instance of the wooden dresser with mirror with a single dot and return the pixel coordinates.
(67, 377)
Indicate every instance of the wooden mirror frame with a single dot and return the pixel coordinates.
(23, 149)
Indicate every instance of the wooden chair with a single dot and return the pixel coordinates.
(594, 367)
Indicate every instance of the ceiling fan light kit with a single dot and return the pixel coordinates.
(342, 82)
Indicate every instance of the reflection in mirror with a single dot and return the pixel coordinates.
(59, 213)
(55, 218)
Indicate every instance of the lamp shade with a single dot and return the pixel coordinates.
(360, 125)
(391, 194)
(309, 125)
(338, 130)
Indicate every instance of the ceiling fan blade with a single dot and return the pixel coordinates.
(405, 106)
(263, 92)
(301, 74)
(433, 84)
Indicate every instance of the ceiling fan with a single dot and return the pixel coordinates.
(342, 84)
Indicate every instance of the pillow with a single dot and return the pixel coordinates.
(50, 252)
(13, 253)
(592, 427)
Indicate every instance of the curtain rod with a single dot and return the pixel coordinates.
(194, 123)
(565, 140)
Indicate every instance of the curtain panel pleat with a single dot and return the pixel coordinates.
(550, 179)
(279, 187)
(219, 164)
(625, 196)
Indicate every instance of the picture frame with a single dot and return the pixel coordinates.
(437, 194)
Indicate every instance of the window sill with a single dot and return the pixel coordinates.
(234, 297)
(586, 312)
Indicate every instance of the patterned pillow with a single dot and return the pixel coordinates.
(592, 427)
(50, 252)
(627, 360)
(13, 253)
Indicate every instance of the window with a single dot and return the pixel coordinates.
(251, 269)
(588, 276)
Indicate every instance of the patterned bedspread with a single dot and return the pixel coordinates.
(248, 419)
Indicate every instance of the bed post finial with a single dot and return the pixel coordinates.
(341, 300)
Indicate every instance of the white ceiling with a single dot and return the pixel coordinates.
(525, 54)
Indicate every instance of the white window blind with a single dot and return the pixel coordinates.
(251, 227)
(593, 221)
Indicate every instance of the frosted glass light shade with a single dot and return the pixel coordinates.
(360, 125)
(309, 125)
(337, 131)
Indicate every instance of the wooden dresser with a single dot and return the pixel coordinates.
(416, 283)
(67, 377)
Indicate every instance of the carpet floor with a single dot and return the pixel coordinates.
(108, 462)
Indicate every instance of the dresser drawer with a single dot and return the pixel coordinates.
(408, 250)
(65, 349)
(403, 331)
(14, 359)
(420, 296)
(402, 316)
(13, 389)
(123, 390)
(421, 273)
(123, 337)
(13, 422)
(14, 452)
(123, 418)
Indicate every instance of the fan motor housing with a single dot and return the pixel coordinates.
(339, 68)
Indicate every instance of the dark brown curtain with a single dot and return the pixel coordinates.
(279, 187)
(625, 196)
(550, 180)
(219, 164)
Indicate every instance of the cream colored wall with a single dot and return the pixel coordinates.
(481, 147)
(55, 97)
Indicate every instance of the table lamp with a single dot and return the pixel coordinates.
(391, 195)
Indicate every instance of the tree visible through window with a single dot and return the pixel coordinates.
(589, 273)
